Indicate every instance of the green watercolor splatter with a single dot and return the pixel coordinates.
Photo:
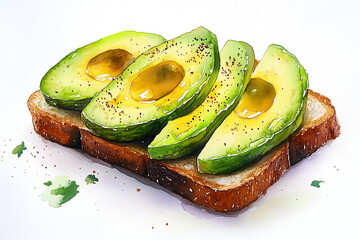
(48, 183)
(60, 190)
(19, 149)
(316, 183)
(91, 179)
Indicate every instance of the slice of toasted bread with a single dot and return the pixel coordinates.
(220, 192)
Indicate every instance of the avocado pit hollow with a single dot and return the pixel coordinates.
(109, 64)
(157, 81)
(258, 97)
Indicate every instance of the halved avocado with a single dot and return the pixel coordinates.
(166, 82)
(271, 108)
(183, 135)
(73, 81)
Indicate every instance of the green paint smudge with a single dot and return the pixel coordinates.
(91, 179)
(60, 190)
(316, 183)
(19, 149)
(48, 183)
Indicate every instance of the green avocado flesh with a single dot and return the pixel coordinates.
(271, 108)
(80, 75)
(166, 82)
(183, 135)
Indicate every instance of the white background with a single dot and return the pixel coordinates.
(34, 35)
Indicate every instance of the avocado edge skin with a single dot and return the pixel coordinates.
(199, 139)
(167, 152)
(127, 133)
(240, 160)
(76, 105)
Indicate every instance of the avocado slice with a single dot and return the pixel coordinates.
(73, 81)
(271, 108)
(166, 82)
(183, 135)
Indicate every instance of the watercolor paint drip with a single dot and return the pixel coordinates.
(60, 190)
(19, 149)
(91, 179)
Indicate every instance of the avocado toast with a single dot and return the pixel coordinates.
(220, 192)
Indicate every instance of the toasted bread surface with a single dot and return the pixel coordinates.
(220, 192)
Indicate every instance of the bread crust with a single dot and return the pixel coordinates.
(315, 135)
(132, 156)
(63, 131)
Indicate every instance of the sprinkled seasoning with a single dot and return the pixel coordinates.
(221, 100)
(122, 112)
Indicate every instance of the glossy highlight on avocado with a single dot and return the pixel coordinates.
(109, 64)
(164, 83)
(259, 97)
(242, 138)
(157, 81)
(73, 81)
(184, 135)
